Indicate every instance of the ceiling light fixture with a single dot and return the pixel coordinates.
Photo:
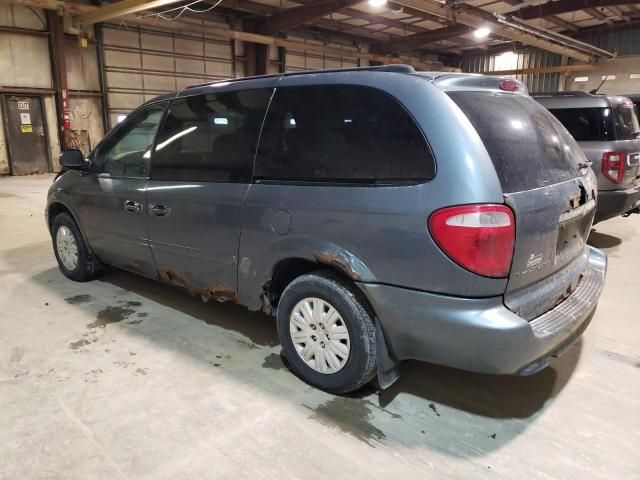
(482, 32)
(377, 3)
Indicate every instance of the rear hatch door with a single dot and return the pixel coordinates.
(546, 181)
(627, 130)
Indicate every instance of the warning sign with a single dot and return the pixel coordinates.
(25, 119)
(26, 128)
(23, 105)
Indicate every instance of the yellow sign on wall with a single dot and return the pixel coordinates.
(26, 128)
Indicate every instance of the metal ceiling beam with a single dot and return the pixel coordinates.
(119, 9)
(475, 17)
(281, 42)
(565, 6)
(420, 39)
(577, 67)
(296, 16)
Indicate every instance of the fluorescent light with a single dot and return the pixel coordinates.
(608, 77)
(221, 121)
(482, 32)
(581, 79)
(377, 3)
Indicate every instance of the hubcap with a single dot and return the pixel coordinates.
(320, 335)
(67, 248)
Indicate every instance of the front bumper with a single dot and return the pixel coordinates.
(482, 335)
(616, 202)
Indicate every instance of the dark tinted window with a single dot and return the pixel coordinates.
(341, 134)
(587, 124)
(626, 120)
(528, 146)
(210, 137)
(126, 152)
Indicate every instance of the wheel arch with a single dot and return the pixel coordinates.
(57, 206)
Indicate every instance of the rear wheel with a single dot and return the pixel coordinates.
(327, 333)
(74, 259)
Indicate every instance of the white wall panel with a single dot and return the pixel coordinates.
(24, 61)
(297, 60)
(82, 66)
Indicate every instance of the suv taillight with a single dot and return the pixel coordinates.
(479, 238)
(613, 166)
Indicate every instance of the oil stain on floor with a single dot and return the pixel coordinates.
(352, 416)
(78, 299)
(274, 361)
(114, 314)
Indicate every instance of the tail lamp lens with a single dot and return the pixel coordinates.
(479, 238)
(613, 166)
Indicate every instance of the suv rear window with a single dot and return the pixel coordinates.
(528, 146)
(587, 124)
(341, 134)
(626, 120)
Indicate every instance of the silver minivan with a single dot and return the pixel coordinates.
(381, 214)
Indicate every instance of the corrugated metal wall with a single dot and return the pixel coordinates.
(296, 61)
(141, 63)
(626, 42)
(529, 58)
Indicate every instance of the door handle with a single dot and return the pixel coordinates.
(159, 209)
(133, 207)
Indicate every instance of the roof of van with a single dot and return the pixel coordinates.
(446, 80)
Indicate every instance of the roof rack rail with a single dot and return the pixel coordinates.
(394, 68)
(568, 93)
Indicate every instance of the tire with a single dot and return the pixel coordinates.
(359, 366)
(65, 234)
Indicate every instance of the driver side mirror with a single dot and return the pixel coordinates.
(72, 159)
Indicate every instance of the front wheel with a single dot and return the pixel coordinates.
(327, 333)
(74, 259)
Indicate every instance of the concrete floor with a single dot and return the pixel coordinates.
(127, 378)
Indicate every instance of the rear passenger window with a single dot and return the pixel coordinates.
(210, 138)
(341, 133)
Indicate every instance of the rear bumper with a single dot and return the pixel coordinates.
(616, 202)
(482, 335)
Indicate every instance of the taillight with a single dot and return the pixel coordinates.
(613, 166)
(510, 85)
(479, 238)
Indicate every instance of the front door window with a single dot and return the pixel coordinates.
(127, 152)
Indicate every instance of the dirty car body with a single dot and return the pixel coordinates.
(248, 217)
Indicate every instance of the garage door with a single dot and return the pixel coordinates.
(299, 60)
(141, 63)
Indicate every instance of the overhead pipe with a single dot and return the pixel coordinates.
(516, 24)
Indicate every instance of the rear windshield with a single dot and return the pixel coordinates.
(600, 123)
(528, 146)
(626, 121)
(587, 124)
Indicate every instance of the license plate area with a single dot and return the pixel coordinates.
(573, 230)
